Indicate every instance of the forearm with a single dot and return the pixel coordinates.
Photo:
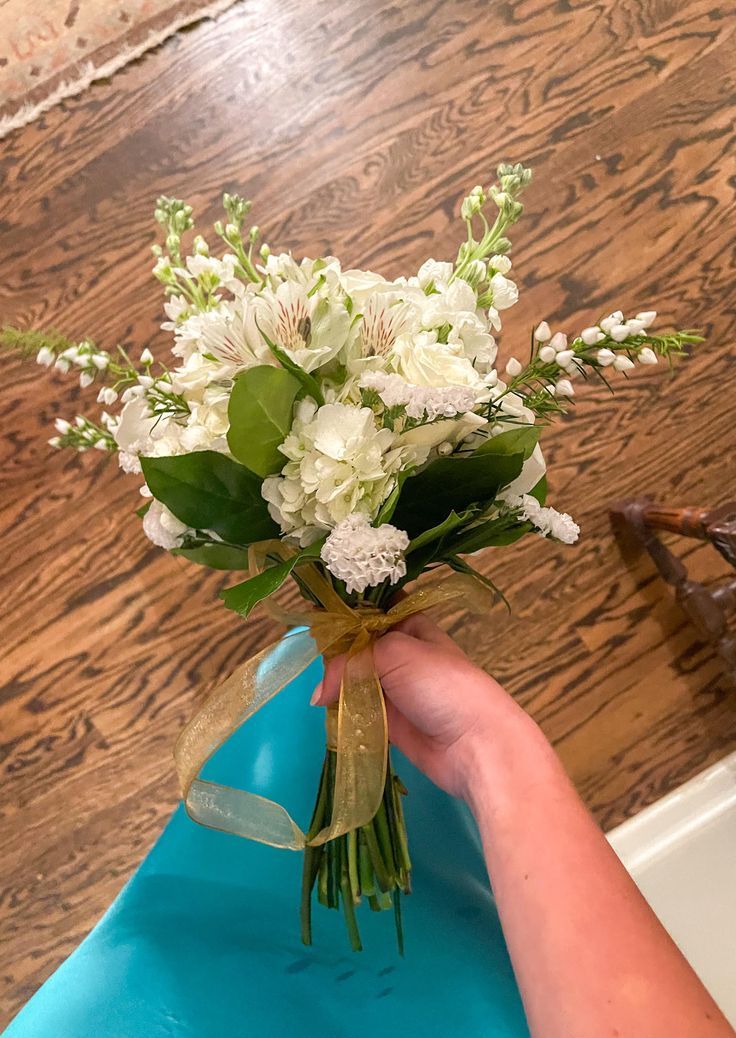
(590, 957)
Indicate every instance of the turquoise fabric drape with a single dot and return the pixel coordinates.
(203, 942)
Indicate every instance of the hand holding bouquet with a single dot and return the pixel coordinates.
(350, 433)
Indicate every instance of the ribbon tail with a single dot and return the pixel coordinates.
(362, 747)
(247, 689)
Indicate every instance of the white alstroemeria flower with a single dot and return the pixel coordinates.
(338, 463)
(162, 527)
(312, 330)
(505, 293)
(229, 332)
(363, 555)
(198, 372)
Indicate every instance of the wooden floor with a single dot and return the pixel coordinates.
(356, 127)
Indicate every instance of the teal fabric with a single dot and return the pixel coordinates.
(203, 941)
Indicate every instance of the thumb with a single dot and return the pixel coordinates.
(328, 690)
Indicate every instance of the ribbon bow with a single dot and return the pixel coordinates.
(356, 727)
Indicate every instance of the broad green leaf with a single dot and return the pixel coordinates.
(260, 412)
(492, 534)
(242, 598)
(216, 556)
(209, 491)
(540, 490)
(388, 507)
(524, 439)
(140, 512)
(451, 484)
(436, 533)
(463, 566)
(309, 383)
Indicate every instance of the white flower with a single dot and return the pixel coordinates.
(605, 357)
(45, 356)
(548, 521)
(311, 329)
(62, 425)
(619, 332)
(542, 332)
(547, 354)
(146, 356)
(129, 462)
(436, 273)
(365, 556)
(591, 336)
(647, 356)
(338, 463)
(564, 357)
(565, 388)
(613, 319)
(162, 527)
(86, 378)
(622, 363)
(420, 401)
(513, 367)
(501, 264)
(423, 361)
(229, 332)
(558, 342)
(505, 293)
(107, 395)
(647, 318)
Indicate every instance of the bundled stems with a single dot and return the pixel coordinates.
(371, 862)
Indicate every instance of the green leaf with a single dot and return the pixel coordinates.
(209, 491)
(495, 533)
(524, 439)
(308, 382)
(260, 413)
(387, 509)
(461, 566)
(140, 512)
(215, 555)
(242, 598)
(451, 484)
(540, 490)
(436, 533)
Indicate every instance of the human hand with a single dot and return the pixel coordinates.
(443, 711)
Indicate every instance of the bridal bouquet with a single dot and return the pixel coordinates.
(349, 433)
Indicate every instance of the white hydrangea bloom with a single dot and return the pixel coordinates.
(162, 527)
(338, 463)
(420, 401)
(548, 521)
(363, 555)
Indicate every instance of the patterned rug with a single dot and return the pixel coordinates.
(53, 49)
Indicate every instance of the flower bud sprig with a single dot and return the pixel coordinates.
(83, 434)
(505, 194)
(170, 269)
(234, 235)
(545, 382)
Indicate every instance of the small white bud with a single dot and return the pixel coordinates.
(551, 389)
(605, 357)
(54, 442)
(565, 388)
(501, 264)
(592, 335)
(648, 356)
(623, 363)
(542, 332)
(45, 356)
(564, 357)
(491, 378)
(101, 444)
(72, 353)
(61, 425)
(558, 341)
(444, 449)
(146, 356)
(547, 354)
(647, 318)
(62, 364)
(609, 322)
(100, 361)
(514, 367)
(107, 395)
(635, 326)
(79, 422)
(86, 379)
(619, 332)
(145, 381)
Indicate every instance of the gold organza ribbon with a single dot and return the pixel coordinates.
(357, 728)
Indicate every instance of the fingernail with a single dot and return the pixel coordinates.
(316, 695)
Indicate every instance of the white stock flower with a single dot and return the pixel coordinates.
(505, 293)
(363, 555)
(436, 273)
(338, 463)
(162, 527)
(548, 521)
